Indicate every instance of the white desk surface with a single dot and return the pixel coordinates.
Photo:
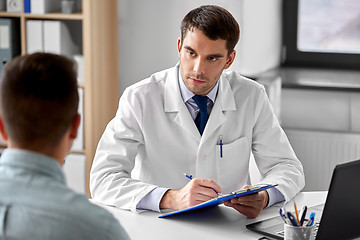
(215, 223)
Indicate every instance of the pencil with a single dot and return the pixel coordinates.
(297, 214)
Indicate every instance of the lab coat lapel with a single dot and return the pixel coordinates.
(224, 102)
(173, 102)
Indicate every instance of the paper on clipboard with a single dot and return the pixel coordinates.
(222, 198)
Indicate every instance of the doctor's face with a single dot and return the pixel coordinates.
(202, 61)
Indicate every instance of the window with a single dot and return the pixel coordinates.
(322, 33)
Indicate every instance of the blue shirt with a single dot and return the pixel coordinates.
(35, 203)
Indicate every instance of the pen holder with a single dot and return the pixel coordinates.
(299, 233)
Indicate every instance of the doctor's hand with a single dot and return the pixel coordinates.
(249, 205)
(198, 190)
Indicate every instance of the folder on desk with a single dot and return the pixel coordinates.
(222, 198)
(9, 40)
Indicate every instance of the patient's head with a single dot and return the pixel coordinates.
(38, 98)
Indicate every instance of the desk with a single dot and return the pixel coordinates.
(215, 223)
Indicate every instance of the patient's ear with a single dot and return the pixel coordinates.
(2, 130)
(74, 126)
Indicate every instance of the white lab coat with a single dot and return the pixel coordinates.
(153, 140)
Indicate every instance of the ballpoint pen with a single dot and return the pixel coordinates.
(221, 147)
(292, 219)
(303, 214)
(189, 176)
(311, 219)
(283, 215)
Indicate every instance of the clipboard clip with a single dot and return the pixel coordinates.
(251, 189)
(256, 187)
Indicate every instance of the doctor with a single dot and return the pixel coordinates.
(194, 118)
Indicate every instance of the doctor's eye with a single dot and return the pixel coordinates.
(212, 59)
(192, 54)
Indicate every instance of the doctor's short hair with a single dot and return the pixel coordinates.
(38, 98)
(215, 22)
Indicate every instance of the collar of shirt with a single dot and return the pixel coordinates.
(32, 162)
(190, 103)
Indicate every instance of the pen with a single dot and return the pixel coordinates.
(292, 219)
(303, 214)
(296, 214)
(189, 176)
(283, 215)
(312, 219)
(221, 147)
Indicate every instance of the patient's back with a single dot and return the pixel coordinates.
(35, 203)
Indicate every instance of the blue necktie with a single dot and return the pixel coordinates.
(202, 116)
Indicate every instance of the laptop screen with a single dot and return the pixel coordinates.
(341, 215)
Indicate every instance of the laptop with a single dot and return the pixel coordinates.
(339, 217)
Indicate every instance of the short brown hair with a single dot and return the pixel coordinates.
(215, 22)
(38, 98)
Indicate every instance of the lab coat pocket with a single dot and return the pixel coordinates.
(232, 164)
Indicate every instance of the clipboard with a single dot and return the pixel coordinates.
(222, 198)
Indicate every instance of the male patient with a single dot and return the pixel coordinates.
(39, 121)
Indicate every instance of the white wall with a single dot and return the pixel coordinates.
(149, 31)
(261, 39)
